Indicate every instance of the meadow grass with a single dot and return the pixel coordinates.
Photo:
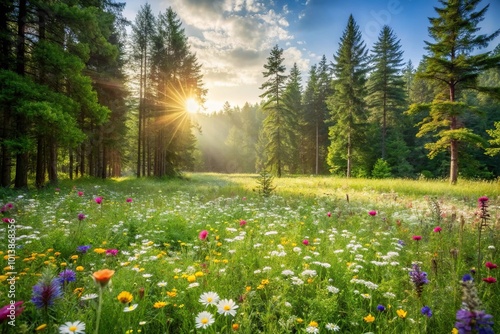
(322, 254)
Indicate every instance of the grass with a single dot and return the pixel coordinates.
(310, 258)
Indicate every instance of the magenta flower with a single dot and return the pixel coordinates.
(81, 216)
(490, 280)
(111, 252)
(6, 220)
(203, 235)
(372, 213)
(483, 199)
(417, 237)
(98, 200)
(437, 229)
(329, 214)
(305, 242)
(243, 222)
(80, 193)
(129, 200)
(491, 265)
(11, 310)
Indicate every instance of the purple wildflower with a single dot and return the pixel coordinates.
(418, 278)
(83, 249)
(401, 242)
(66, 276)
(381, 307)
(474, 322)
(426, 310)
(45, 292)
(466, 278)
(81, 216)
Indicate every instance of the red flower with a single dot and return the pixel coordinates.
(491, 265)
(98, 200)
(203, 235)
(417, 237)
(11, 310)
(437, 229)
(243, 222)
(80, 193)
(305, 242)
(329, 214)
(490, 279)
(129, 200)
(372, 213)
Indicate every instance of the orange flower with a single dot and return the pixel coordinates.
(103, 276)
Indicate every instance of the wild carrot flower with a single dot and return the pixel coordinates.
(11, 309)
(46, 291)
(418, 278)
(203, 235)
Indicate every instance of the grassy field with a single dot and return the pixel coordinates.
(208, 254)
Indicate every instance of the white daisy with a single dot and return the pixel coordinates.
(162, 284)
(209, 298)
(130, 308)
(89, 296)
(69, 327)
(204, 319)
(332, 327)
(226, 307)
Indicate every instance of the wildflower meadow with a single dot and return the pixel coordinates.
(209, 253)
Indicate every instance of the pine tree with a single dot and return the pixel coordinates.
(276, 121)
(347, 106)
(293, 105)
(386, 94)
(454, 63)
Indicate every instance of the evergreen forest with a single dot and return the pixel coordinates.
(84, 92)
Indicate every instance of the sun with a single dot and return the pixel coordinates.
(191, 105)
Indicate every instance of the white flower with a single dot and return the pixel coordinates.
(287, 272)
(193, 285)
(332, 327)
(76, 327)
(162, 284)
(130, 308)
(227, 306)
(309, 272)
(89, 296)
(209, 298)
(204, 319)
(312, 329)
(389, 295)
(332, 289)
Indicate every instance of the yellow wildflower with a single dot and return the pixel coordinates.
(125, 297)
(369, 318)
(401, 313)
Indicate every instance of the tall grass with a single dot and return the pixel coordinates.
(310, 258)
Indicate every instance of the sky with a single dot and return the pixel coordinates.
(232, 39)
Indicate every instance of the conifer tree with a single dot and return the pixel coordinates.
(347, 106)
(276, 121)
(454, 62)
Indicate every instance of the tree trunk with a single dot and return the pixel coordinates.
(21, 180)
(52, 161)
(453, 143)
(348, 174)
(40, 162)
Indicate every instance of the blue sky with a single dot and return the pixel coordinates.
(232, 38)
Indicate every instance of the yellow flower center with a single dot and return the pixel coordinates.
(73, 329)
(204, 321)
(227, 307)
(209, 299)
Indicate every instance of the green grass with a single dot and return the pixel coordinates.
(352, 262)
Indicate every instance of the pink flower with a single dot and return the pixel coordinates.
(243, 223)
(6, 220)
(80, 193)
(112, 252)
(203, 235)
(98, 200)
(490, 280)
(483, 199)
(437, 229)
(329, 214)
(129, 200)
(491, 265)
(372, 213)
(81, 216)
(417, 237)
(305, 242)
(11, 310)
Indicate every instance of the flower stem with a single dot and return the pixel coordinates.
(99, 308)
